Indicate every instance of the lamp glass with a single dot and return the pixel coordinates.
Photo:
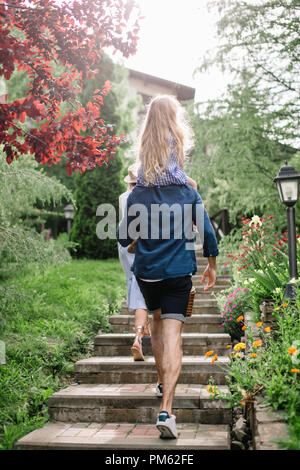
(278, 183)
(69, 214)
(288, 191)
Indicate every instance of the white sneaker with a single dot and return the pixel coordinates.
(166, 425)
(159, 390)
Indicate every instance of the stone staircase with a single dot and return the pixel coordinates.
(113, 406)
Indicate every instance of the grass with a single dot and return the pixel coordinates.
(47, 322)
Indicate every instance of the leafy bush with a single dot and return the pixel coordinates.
(233, 307)
(98, 186)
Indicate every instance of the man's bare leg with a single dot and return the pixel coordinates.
(171, 360)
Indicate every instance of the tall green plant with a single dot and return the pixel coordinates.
(24, 189)
(238, 152)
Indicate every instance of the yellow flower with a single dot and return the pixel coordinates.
(240, 318)
(259, 323)
(254, 355)
(277, 308)
(209, 353)
(238, 355)
(211, 389)
(292, 350)
(239, 346)
(267, 329)
(214, 358)
(295, 371)
(257, 343)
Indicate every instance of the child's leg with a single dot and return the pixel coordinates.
(141, 328)
(141, 319)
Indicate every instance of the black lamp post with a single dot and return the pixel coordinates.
(287, 182)
(69, 215)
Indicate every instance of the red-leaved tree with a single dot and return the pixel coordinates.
(34, 34)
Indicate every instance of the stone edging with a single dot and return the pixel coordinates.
(267, 427)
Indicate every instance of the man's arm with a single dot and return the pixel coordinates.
(208, 238)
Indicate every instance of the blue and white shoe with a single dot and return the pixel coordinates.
(166, 425)
(159, 390)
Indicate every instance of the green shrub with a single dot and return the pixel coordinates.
(99, 186)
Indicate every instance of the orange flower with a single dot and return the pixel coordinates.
(295, 370)
(244, 327)
(239, 346)
(284, 305)
(214, 358)
(253, 355)
(257, 343)
(240, 318)
(259, 323)
(228, 346)
(211, 389)
(268, 329)
(209, 353)
(292, 350)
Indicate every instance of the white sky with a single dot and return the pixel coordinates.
(174, 36)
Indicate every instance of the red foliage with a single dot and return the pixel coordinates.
(33, 33)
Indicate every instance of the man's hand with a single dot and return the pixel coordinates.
(210, 274)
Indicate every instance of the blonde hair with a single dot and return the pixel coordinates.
(165, 116)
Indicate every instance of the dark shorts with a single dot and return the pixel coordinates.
(171, 296)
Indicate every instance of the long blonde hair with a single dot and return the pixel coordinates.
(165, 115)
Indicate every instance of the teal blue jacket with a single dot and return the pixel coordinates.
(165, 246)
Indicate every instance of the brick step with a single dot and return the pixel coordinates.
(203, 323)
(193, 344)
(201, 265)
(210, 294)
(136, 403)
(217, 288)
(202, 306)
(122, 369)
(126, 436)
(221, 280)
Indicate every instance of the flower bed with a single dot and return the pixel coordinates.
(267, 364)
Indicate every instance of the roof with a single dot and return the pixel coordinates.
(182, 92)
